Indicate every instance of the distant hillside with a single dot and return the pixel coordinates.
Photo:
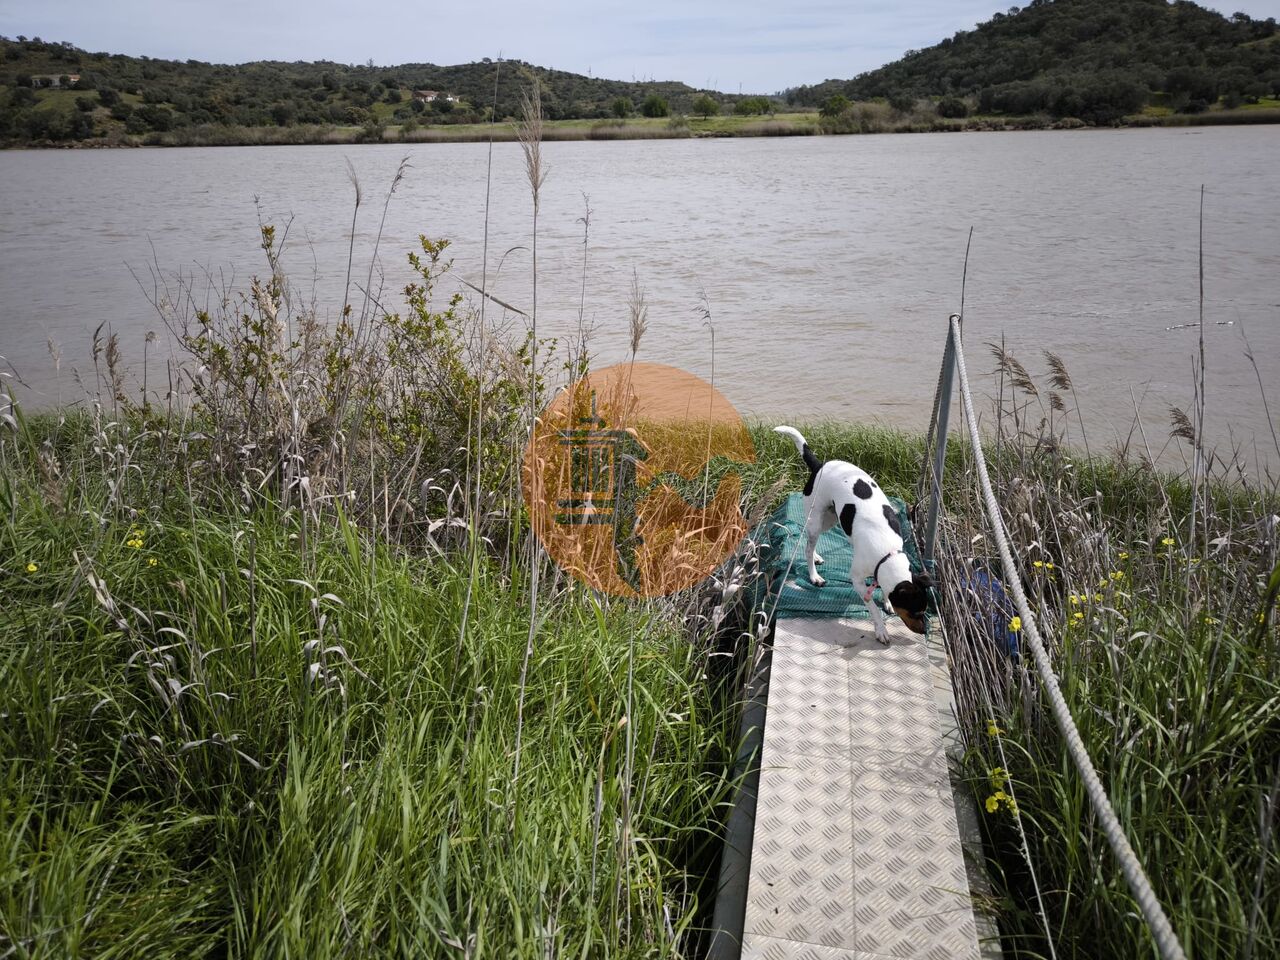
(116, 94)
(1096, 60)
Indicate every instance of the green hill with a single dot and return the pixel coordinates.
(55, 91)
(1096, 60)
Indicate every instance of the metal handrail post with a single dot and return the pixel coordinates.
(943, 415)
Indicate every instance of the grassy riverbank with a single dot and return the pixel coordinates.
(231, 730)
(865, 118)
(234, 730)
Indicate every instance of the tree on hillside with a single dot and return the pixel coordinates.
(705, 106)
(621, 108)
(654, 106)
(902, 102)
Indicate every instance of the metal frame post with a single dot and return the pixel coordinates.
(942, 416)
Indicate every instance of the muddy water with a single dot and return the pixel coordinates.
(828, 265)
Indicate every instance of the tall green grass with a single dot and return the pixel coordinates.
(216, 743)
(1150, 590)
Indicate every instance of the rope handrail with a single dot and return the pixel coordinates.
(1161, 930)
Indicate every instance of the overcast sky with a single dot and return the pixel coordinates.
(761, 47)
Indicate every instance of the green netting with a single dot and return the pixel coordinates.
(783, 543)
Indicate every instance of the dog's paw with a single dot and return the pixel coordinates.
(883, 637)
(818, 581)
(817, 558)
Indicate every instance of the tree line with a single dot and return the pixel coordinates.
(138, 95)
(1096, 60)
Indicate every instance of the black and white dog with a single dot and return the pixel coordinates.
(839, 492)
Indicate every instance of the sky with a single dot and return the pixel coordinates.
(728, 45)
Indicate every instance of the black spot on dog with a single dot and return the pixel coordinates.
(891, 518)
(847, 513)
(862, 490)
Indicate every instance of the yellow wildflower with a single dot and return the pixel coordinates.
(32, 567)
(1077, 616)
(1211, 621)
(1049, 566)
(1167, 541)
(993, 730)
(1015, 624)
(152, 561)
(1013, 806)
(1097, 598)
(1117, 575)
(1075, 600)
(1038, 563)
(998, 777)
(1124, 555)
(992, 804)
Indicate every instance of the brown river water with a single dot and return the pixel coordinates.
(828, 264)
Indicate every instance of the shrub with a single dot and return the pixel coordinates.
(371, 130)
(953, 108)
(753, 107)
(705, 106)
(835, 106)
(621, 107)
(902, 102)
(154, 117)
(654, 106)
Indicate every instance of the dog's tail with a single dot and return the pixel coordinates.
(802, 447)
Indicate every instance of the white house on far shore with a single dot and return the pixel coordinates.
(55, 80)
(430, 96)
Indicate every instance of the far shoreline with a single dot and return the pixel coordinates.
(676, 128)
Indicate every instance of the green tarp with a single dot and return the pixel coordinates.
(784, 555)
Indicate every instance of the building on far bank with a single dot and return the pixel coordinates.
(430, 96)
(54, 80)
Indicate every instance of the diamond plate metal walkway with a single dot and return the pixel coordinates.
(856, 852)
